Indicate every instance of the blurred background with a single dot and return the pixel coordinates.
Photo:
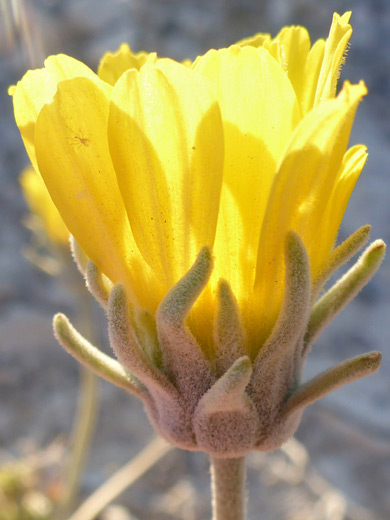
(344, 470)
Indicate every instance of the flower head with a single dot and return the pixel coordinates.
(243, 153)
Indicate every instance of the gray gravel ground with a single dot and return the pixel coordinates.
(347, 435)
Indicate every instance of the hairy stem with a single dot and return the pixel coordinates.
(228, 488)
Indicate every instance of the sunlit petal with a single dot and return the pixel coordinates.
(294, 47)
(257, 40)
(303, 185)
(166, 143)
(310, 76)
(73, 158)
(256, 134)
(349, 172)
(114, 64)
(334, 53)
(36, 88)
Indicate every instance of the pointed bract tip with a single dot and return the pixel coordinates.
(225, 420)
(238, 375)
(223, 285)
(98, 284)
(228, 392)
(177, 302)
(78, 254)
(224, 290)
(362, 233)
(296, 253)
(63, 329)
(58, 316)
(374, 254)
(117, 294)
(372, 360)
(205, 258)
(242, 364)
(378, 245)
(293, 244)
(59, 321)
(292, 238)
(199, 272)
(340, 255)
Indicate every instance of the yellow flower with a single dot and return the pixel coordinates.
(41, 205)
(153, 164)
(231, 153)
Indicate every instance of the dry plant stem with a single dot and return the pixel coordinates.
(122, 479)
(85, 420)
(84, 427)
(228, 488)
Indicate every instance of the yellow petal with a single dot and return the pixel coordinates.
(74, 161)
(335, 48)
(41, 204)
(113, 65)
(238, 264)
(166, 142)
(187, 63)
(310, 76)
(257, 40)
(274, 48)
(351, 167)
(313, 72)
(294, 45)
(303, 186)
(259, 111)
(36, 88)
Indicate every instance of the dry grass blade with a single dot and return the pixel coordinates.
(122, 479)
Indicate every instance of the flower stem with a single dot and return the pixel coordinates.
(228, 488)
